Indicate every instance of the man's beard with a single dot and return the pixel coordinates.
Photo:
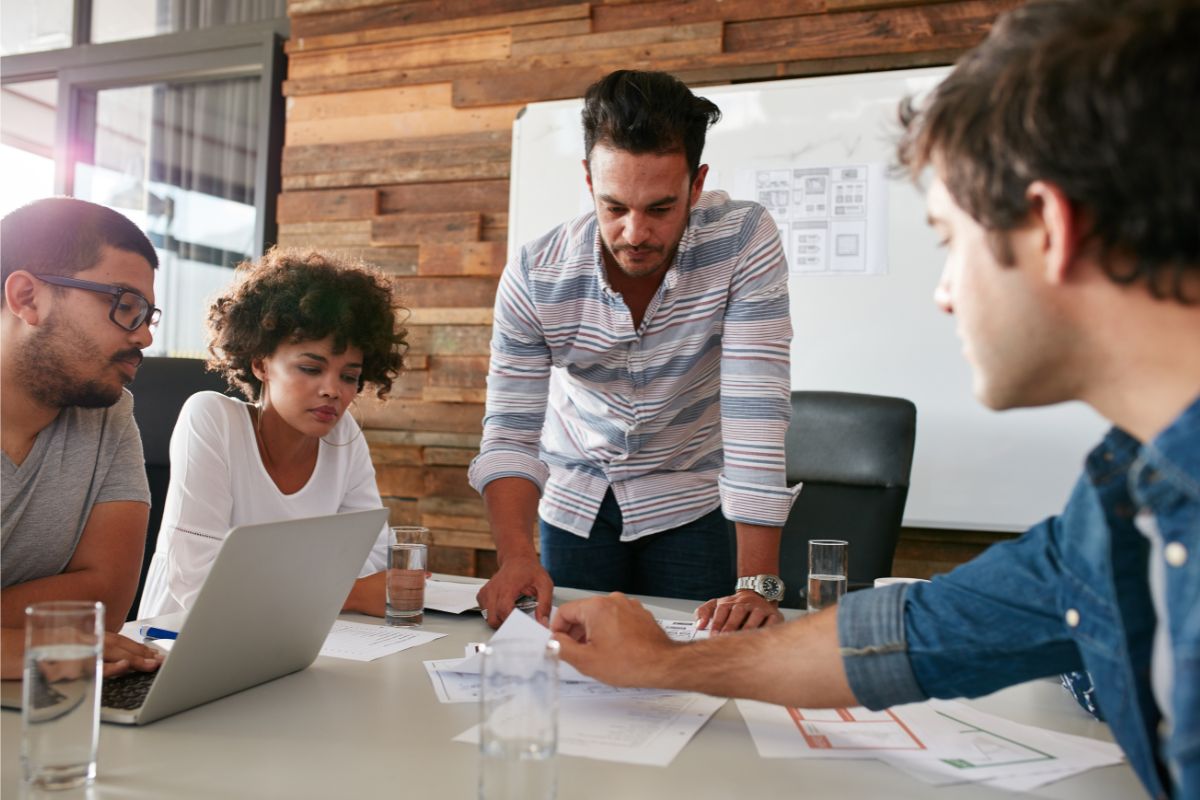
(43, 364)
(667, 255)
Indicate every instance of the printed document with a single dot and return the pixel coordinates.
(451, 597)
(632, 729)
(357, 641)
(940, 742)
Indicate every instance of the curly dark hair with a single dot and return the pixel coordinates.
(647, 112)
(1095, 96)
(301, 296)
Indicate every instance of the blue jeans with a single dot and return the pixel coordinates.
(693, 561)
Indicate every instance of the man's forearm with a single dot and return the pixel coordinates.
(795, 664)
(83, 585)
(512, 514)
(757, 549)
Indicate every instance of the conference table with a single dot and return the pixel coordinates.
(348, 729)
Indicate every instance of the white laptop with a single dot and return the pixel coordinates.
(269, 601)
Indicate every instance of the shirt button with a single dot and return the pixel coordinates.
(1176, 554)
(1072, 618)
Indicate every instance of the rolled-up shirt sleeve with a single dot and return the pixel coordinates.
(992, 622)
(518, 382)
(756, 382)
(873, 647)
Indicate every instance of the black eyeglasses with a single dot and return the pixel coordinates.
(129, 309)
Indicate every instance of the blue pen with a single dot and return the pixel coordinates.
(151, 632)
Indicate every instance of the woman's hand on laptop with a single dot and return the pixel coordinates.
(123, 655)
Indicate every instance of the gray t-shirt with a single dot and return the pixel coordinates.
(86, 456)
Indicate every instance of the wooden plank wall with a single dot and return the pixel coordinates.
(397, 150)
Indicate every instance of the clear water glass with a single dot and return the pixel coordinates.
(60, 703)
(518, 715)
(828, 560)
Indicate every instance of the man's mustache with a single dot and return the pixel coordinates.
(132, 355)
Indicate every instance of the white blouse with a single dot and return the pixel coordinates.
(218, 482)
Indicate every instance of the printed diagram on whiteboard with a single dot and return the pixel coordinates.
(831, 218)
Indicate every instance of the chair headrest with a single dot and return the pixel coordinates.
(842, 437)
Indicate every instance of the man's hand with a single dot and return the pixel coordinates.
(613, 639)
(738, 611)
(519, 575)
(123, 655)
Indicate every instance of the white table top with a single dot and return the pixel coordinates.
(346, 729)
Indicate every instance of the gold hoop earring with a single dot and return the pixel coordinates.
(357, 424)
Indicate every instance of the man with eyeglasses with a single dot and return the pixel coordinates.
(76, 314)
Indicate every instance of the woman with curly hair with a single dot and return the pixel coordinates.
(300, 334)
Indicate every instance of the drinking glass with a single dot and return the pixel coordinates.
(406, 585)
(827, 562)
(60, 703)
(518, 715)
(411, 534)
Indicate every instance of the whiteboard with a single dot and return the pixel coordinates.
(872, 333)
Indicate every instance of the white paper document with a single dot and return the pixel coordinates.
(649, 729)
(463, 687)
(940, 742)
(451, 597)
(357, 641)
(522, 626)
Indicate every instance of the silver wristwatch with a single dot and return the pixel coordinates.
(770, 587)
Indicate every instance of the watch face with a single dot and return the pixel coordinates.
(771, 586)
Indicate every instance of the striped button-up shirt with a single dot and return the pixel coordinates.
(682, 415)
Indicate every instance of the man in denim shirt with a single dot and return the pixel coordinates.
(1067, 192)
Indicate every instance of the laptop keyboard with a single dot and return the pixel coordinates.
(126, 692)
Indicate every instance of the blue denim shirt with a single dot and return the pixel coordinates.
(1071, 593)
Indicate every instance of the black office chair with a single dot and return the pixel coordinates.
(161, 387)
(853, 452)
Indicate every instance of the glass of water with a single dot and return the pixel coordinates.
(405, 598)
(518, 716)
(60, 706)
(827, 563)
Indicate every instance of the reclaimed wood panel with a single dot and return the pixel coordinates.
(371, 102)
(412, 173)
(450, 340)
(405, 125)
(447, 456)
(326, 234)
(406, 13)
(427, 293)
(453, 394)
(408, 415)
(550, 30)
(702, 35)
(472, 258)
(487, 145)
(439, 51)
(346, 204)
(431, 197)
(464, 371)
(900, 30)
(514, 19)
(677, 12)
(393, 229)
(425, 438)
(392, 260)
(450, 316)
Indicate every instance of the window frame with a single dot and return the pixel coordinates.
(227, 51)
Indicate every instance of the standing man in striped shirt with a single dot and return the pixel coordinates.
(639, 379)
